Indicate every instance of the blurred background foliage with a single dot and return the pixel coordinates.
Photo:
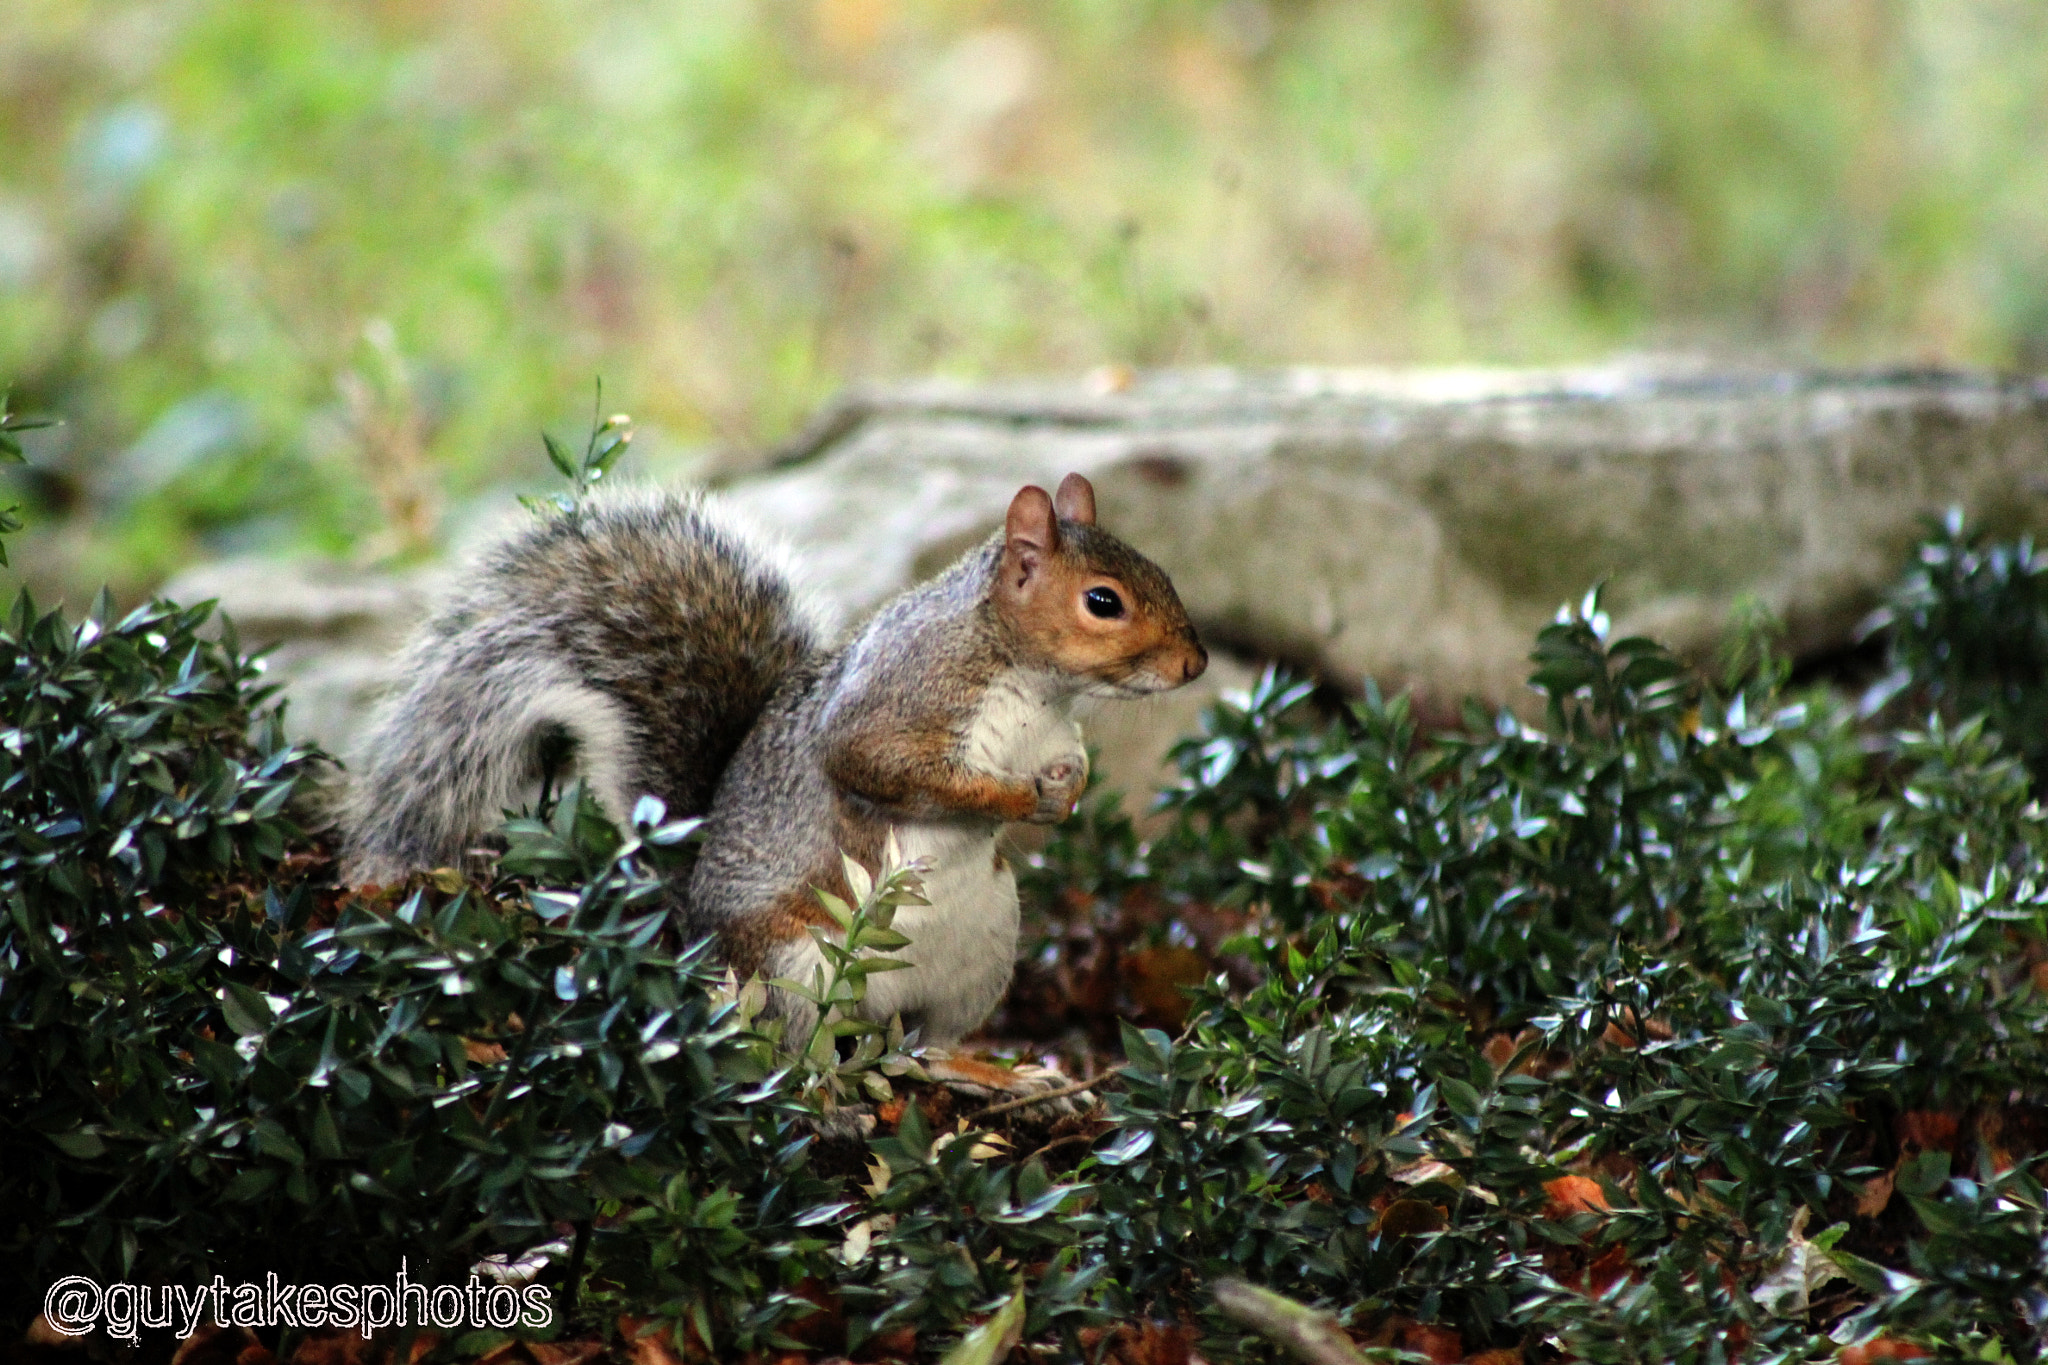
(304, 275)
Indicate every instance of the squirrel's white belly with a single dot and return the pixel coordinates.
(962, 946)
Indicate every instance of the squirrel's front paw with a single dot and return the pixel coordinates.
(1060, 784)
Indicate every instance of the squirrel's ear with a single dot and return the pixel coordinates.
(1030, 522)
(1029, 533)
(1076, 500)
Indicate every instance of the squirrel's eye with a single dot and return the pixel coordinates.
(1103, 602)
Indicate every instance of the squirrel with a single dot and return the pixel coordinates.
(673, 655)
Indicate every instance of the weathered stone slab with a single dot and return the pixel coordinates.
(1413, 527)
(1419, 527)
(330, 631)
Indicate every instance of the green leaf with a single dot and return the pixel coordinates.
(839, 910)
(1865, 1275)
(82, 1144)
(1924, 1174)
(912, 1132)
(994, 1339)
(245, 1010)
(802, 990)
(273, 1140)
(1943, 1220)
(1127, 1147)
(1460, 1096)
(251, 1184)
(327, 1141)
(1146, 1049)
(558, 456)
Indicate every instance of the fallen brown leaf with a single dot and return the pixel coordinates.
(483, 1053)
(331, 1346)
(1153, 977)
(1629, 1031)
(1438, 1345)
(1882, 1348)
(41, 1333)
(1876, 1194)
(1570, 1194)
(647, 1344)
(213, 1345)
(1930, 1130)
(1153, 1343)
(564, 1352)
(898, 1343)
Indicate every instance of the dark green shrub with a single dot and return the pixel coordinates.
(202, 1074)
(1730, 957)
(139, 777)
(11, 453)
(1967, 626)
(1698, 1024)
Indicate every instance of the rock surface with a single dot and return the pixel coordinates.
(330, 631)
(1413, 527)
(1419, 527)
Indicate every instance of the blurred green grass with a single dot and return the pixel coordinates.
(297, 273)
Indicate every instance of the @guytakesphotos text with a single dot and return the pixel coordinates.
(78, 1304)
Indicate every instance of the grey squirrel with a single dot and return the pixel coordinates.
(674, 656)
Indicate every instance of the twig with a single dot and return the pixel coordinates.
(1026, 1101)
(1302, 1331)
(1059, 1142)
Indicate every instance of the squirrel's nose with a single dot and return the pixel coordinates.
(1196, 660)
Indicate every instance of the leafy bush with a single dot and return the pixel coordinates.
(1967, 626)
(1702, 1023)
(11, 453)
(206, 1074)
(1689, 948)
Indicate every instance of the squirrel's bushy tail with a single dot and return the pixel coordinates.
(641, 635)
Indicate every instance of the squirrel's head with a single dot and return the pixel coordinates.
(1088, 604)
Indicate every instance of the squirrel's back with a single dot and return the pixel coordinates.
(638, 636)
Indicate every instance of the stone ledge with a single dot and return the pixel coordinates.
(1416, 527)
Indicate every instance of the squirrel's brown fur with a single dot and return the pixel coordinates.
(675, 658)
